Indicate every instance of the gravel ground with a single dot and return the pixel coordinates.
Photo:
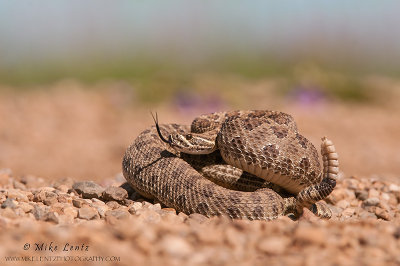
(47, 218)
(84, 222)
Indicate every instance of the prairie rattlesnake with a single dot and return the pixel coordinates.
(261, 166)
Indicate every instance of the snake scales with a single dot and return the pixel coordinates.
(243, 164)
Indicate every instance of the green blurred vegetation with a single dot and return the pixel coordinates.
(156, 79)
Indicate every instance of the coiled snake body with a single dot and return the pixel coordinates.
(243, 164)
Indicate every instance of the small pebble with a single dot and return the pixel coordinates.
(79, 203)
(26, 207)
(119, 214)
(113, 205)
(371, 202)
(9, 203)
(135, 207)
(373, 193)
(71, 211)
(115, 193)
(198, 217)
(127, 202)
(175, 246)
(63, 182)
(348, 212)
(274, 245)
(128, 188)
(50, 201)
(148, 216)
(343, 204)
(382, 213)
(88, 189)
(394, 188)
(361, 194)
(88, 213)
(17, 195)
(172, 210)
(40, 212)
(52, 217)
(63, 188)
(307, 234)
(155, 207)
(19, 185)
(8, 213)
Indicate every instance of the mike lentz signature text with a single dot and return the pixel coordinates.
(66, 247)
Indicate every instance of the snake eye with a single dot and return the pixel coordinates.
(189, 136)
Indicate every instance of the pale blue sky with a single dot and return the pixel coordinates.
(194, 30)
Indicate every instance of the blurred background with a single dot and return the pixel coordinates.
(79, 78)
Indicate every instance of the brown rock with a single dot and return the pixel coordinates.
(88, 213)
(101, 207)
(52, 217)
(385, 196)
(382, 213)
(170, 217)
(234, 238)
(115, 193)
(113, 205)
(26, 207)
(118, 213)
(45, 195)
(135, 207)
(148, 216)
(367, 215)
(79, 203)
(169, 210)
(198, 217)
(307, 234)
(394, 188)
(9, 203)
(71, 212)
(126, 186)
(348, 212)
(127, 202)
(50, 201)
(19, 185)
(5, 176)
(63, 182)
(175, 246)
(63, 188)
(64, 219)
(308, 216)
(111, 220)
(396, 232)
(17, 195)
(40, 212)
(361, 194)
(64, 198)
(274, 245)
(147, 205)
(88, 189)
(155, 207)
(31, 181)
(8, 213)
(183, 216)
(371, 202)
(373, 193)
(343, 204)
(39, 196)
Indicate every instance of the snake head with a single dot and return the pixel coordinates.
(190, 143)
